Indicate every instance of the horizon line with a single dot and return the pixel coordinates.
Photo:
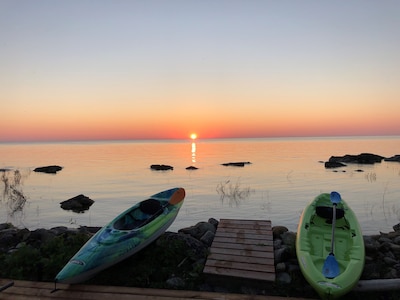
(189, 139)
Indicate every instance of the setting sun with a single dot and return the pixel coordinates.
(193, 136)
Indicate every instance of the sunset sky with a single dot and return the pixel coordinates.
(88, 70)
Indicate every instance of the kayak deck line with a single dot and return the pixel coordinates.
(34, 290)
(242, 250)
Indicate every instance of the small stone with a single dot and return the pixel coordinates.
(280, 267)
(371, 245)
(395, 248)
(289, 238)
(213, 222)
(59, 230)
(175, 282)
(384, 239)
(207, 238)
(281, 254)
(283, 278)
(5, 226)
(277, 244)
(293, 268)
(392, 273)
(278, 230)
(389, 261)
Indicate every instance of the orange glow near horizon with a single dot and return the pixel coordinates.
(234, 127)
(129, 122)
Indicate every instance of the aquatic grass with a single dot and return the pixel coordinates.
(13, 195)
(388, 210)
(371, 176)
(233, 192)
(383, 200)
(266, 205)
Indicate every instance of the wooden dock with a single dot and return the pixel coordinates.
(32, 290)
(242, 249)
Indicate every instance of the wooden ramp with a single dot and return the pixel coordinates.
(242, 249)
(31, 290)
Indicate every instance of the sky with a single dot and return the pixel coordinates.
(90, 70)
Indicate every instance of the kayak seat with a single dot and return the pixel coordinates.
(326, 212)
(147, 211)
(150, 206)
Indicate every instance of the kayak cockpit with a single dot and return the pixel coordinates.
(140, 215)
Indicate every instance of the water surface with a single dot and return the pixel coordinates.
(284, 176)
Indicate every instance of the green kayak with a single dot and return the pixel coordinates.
(128, 233)
(331, 271)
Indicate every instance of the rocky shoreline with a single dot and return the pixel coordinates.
(176, 260)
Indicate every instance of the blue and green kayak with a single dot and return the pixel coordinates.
(331, 271)
(127, 234)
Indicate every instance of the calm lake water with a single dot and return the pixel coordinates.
(283, 177)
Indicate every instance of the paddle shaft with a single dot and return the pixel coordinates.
(333, 227)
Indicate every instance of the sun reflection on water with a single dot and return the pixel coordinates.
(193, 152)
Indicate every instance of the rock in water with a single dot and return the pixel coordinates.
(48, 169)
(77, 204)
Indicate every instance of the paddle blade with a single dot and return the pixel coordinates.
(335, 197)
(331, 267)
(177, 196)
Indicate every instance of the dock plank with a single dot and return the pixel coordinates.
(240, 258)
(242, 252)
(250, 234)
(32, 290)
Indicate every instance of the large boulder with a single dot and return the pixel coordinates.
(198, 230)
(363, 158)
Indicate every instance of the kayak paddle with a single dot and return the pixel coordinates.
(331, 266)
